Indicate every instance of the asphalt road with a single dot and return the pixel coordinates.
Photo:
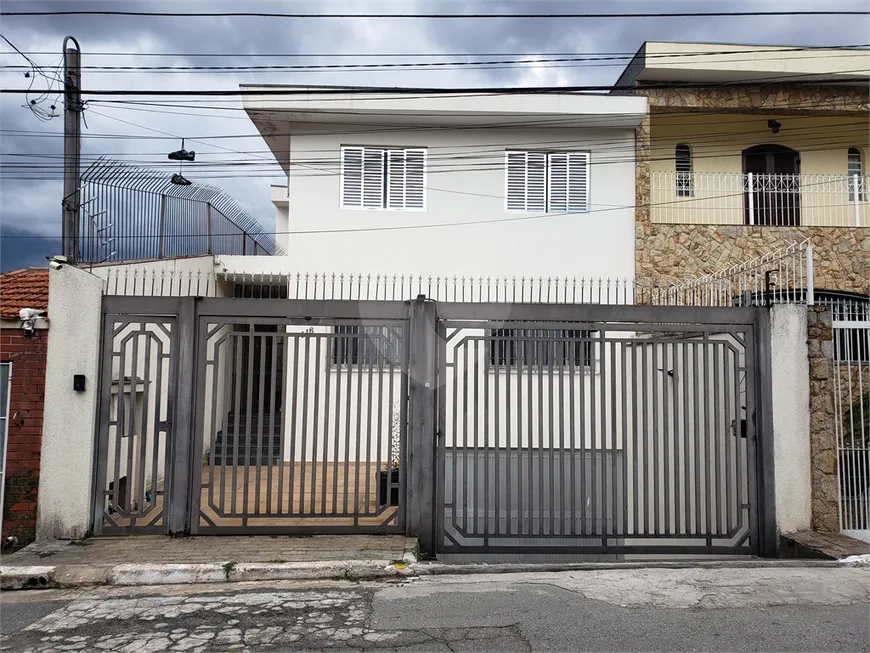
(812, 609)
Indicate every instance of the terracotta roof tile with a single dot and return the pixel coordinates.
(27, 288)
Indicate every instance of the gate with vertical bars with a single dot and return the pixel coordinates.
(600, 429)
(851, 367)
(478, 427)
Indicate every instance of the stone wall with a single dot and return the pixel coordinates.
(670, 252)
(823, 443)
(818, 100)
(676, 252)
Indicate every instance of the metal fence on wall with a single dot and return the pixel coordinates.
(782, 275)
(851, 357)
(133, 213)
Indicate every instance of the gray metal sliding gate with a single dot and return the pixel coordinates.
(478, 427)
(600, 430)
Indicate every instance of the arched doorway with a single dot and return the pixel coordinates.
(772, 190)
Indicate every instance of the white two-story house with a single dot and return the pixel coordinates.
(456, 184)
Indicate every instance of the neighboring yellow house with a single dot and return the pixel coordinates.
(749, 147)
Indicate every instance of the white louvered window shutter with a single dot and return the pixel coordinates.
(516, 181)
(380, 178)
(536, 182)
(373, 178)
(558, 183)
(396, 179)
(351, 177)
(526, 181)
(578, 181)
(415, 179)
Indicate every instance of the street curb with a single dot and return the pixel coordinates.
(458, 569)
(23, 578)
(131, 575)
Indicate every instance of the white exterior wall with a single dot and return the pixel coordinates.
(465, 182)
(70, 417)
(280, 198)
(174, 277)
(791, 418)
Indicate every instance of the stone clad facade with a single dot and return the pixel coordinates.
(670, 252)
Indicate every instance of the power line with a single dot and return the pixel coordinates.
(845, 51)
(427, 92)
(382, 16)
(330, 167)
(463, 223)
(379, 128)
(38, 71)
(408, 55)
(502, 64)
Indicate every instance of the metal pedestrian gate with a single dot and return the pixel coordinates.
(252, 416)
(479, 428)
(851, 367)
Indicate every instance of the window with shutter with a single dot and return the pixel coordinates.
(373, 179)
(559, 182)
(380, 178)
(351, 177)
(855, 169)
(415, 179)
(683, 163)
(516, 181)
(578, 181)
(538, 182)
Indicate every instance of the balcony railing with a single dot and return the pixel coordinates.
(764, 200)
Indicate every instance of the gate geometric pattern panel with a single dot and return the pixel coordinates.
(302, 427)
(594, 438)
(136, 408)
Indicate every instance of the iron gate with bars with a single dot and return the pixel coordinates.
(601, 430)
(476, 427)
(851, 367)
(246, 416)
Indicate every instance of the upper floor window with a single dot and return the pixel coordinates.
(547, 181)
(683, 159)
(379, 178)
(856, 168)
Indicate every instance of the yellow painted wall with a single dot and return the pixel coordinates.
(717, 141)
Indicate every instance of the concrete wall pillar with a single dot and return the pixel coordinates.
(69, 421)
(790, 377)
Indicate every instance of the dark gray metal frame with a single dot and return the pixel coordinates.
(660, 325)
(422, 483)
(302, 313)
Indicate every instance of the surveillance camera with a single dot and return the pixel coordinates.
(55, 265)
(29, 314)
(28, 318)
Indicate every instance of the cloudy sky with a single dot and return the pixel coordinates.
(142, 130)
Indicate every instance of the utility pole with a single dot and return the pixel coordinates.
(72, 148)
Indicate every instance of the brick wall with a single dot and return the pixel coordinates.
(27, 355)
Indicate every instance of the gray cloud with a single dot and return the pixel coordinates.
(30, 198)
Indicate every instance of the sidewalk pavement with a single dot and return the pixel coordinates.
(161, 560)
